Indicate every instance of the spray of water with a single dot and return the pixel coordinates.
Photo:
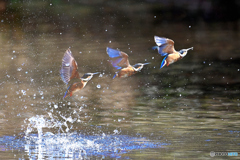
(74, 145)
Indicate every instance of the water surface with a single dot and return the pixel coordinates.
(183, 111)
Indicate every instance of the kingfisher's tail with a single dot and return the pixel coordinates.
(116, 74)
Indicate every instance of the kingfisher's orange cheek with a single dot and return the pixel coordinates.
(71, 94)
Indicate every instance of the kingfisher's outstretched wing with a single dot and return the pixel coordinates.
(119, 58)
(165, 46)
(69, 67)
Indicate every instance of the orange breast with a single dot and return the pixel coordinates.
(173, 58)
(76, 86)
(126, 72)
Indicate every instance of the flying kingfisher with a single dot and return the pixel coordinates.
(69, 71)
(120, 62)
(166, 48)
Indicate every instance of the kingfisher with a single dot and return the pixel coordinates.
(121, 63)
(69, 71)
(166, 48)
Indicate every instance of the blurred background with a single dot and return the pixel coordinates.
(192, 106)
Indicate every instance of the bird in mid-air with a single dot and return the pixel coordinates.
(69, 71)
(166, 48)
(119, 60)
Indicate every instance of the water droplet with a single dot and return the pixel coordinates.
(100, 75)
(55, 106)
(13, 51)
(41, 92)
(110, 41)
(189, 26)
(98, 86)
(155, 17)
(67, 64)
(19, 69)
(152, 57)
(116, 131)
(23, 92)
(106, 30)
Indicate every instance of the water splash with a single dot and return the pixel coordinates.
(71, 145)
(77, 146)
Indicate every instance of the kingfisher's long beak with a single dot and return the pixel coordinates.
(189, 49)
(96, 73)
(146, 63)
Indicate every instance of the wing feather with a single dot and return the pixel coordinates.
(165, 45)
(119, 58)
(69, 67)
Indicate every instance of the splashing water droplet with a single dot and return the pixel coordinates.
(23, 92)
(98, 86)
(116, 131)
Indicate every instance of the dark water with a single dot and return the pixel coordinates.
(183, 111)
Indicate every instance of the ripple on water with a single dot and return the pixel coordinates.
(75, 145)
